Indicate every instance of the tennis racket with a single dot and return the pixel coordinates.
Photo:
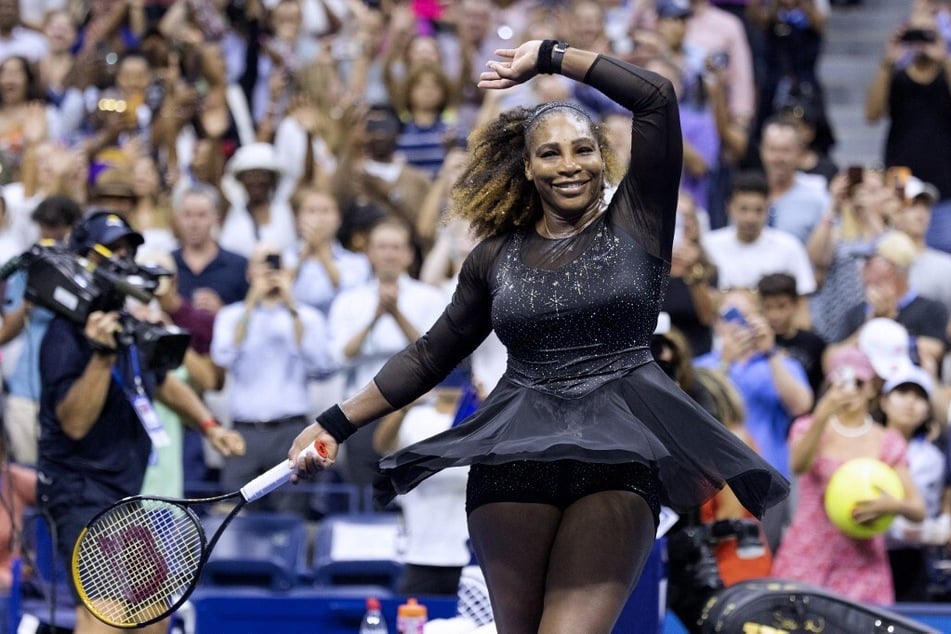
(137, 561)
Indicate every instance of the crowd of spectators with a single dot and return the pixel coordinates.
(290, 162)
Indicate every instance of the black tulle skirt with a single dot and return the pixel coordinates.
(642, 417)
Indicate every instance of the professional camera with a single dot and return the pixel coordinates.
(693, 545)
(72, 286)
(694, 573)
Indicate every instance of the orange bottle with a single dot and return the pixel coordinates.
(410, 617)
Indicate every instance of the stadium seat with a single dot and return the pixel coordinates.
(359, 549)
(265, 550)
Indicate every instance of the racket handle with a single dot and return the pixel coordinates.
(278, 475)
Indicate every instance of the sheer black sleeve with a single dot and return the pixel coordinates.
(645, 204)
(464, 324)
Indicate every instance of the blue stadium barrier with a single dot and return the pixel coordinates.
(936, 615)
(336, 610)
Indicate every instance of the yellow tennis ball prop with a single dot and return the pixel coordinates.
(855, 481)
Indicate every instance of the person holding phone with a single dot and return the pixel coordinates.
(912, 88)
(269, 345)
(841, 428)
(773, 385)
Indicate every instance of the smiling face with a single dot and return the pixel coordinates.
(565, 163)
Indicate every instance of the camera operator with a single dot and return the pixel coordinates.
(97, 422)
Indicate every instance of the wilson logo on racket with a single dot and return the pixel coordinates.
(135, 549)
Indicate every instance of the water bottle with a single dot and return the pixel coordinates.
(411, 617)
(373, 622)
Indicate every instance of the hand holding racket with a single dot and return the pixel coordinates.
(137, 561)
(308, 463)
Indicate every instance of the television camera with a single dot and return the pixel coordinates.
(73, 286)
(694, 576)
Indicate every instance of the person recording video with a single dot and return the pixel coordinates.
(97, 422)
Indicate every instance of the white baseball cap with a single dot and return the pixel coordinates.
(913, 375)
(887, 345)
(916, 187)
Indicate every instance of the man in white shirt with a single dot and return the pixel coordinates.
(372, 322)
(747, 249)
(270, 346)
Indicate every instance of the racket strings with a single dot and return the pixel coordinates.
(135, 562)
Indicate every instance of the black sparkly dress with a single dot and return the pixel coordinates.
(576, 316)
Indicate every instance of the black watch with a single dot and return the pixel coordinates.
(558, 56)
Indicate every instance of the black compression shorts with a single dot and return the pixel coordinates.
(559, 483)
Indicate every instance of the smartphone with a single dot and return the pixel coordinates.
(383, 123)
(918, 36)
(273, 261)
(845, 377)
(734, 316)
(855, 175)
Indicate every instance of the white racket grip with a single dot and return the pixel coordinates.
(275, 477)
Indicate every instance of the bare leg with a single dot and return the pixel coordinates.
(513, 542)
(602, 544)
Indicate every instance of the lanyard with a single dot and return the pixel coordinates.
(140, 401)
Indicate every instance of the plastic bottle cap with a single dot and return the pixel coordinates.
(373, 603)
(411, 609)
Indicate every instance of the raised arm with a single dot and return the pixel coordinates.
(646, 201)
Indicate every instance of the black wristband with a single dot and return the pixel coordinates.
(336, 423)
(101, 348)
(543, 63)
(558, 56)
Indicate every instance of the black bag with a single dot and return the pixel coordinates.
(777, 606)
